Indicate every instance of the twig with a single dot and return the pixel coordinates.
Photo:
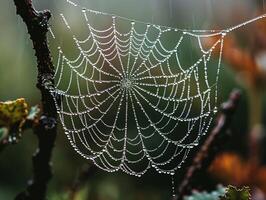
(212, 144)
(37, 25)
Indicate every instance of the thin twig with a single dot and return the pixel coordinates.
(37, 25)
(211, 145)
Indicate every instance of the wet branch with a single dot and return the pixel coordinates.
(211, 145)
(37, 25)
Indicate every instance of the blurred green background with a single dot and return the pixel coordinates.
(18, 77)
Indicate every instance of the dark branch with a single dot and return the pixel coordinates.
(37, 25)
(212, 144)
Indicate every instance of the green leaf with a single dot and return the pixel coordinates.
(232, 193)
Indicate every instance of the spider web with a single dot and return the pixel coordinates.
(130, 100)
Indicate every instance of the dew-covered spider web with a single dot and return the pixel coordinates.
(130, 99)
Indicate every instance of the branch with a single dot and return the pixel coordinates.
(212, 144)
(37, 25)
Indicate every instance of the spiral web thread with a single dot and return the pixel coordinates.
(127, 101)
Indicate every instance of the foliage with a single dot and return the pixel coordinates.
(12, 112)
(232, 193)
(221, 193)
(13, 117)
